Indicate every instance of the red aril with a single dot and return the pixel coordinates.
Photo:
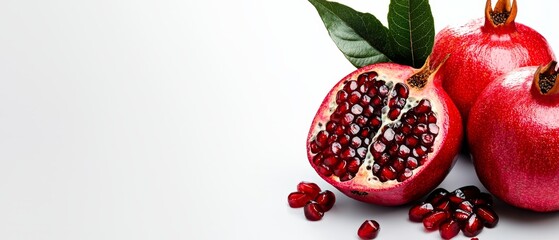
(326, 200)
(369, 229)
(485, 48)
(313, 211)
(308, 188)
(298, 199)
(449, 229)
(385, 134)
(513, 134)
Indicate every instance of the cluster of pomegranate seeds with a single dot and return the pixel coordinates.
(342, 146)
(403, 145)
(369, 229)
(362, 106)
(466, 209)
(314, 201)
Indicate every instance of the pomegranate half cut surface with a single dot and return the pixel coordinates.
(385, 134)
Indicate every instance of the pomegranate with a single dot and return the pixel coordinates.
(465, 209)
(483, 49)
(513, 134)
(369, 229)
(385, 134)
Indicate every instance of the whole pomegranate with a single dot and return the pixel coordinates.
(513, 134)
(385, 134)
(484, 49)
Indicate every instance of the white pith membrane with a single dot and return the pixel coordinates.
(365, 172)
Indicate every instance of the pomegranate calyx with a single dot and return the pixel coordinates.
(545, 79)
(425, 73)
(503, 14)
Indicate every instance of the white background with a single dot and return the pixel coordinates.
(171, 119)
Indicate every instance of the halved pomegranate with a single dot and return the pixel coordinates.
(385, 134)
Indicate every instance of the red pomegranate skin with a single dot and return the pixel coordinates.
(513, 134)
(481, 51)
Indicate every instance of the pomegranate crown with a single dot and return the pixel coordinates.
(545, 79)
(503, 14)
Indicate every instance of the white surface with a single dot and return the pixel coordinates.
(185, 120)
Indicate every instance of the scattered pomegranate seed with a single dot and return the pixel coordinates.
(418, 212)
(466, 209)
(435, 219)
(369, 229)
(309, 188)
(313, 211)
(449, 229)
(326, 200)
(298, 199)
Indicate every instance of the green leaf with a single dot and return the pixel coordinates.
(412, 29)
(361, 37)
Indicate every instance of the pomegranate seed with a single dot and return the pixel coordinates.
(388, 173)
(361, 120)
(457, 196)
(420, 129)
(483, 199)
(412, 163)
(322, 138)
(423, 106)
(357, 109)
(404, 151)
(369, 229)
(298, 199)
(341, 97)
(443, 205)
(489, 217)
(313, 211)
(361, 79)
(340, 170)
(324, 170)
(308, 188)
(401, 90)
(399, 165)
(348, 119)
(461, 215)
(394, 113)
(379, 147)
(350, 86)
(473, 226)
(420, 211)
(434, 220)
(436, 196)
(433, 129)
(326, 200)
(388, 135)
(466, 206)
(449, 229)
(362, 152)
(354, 97)
(470, 191)
(412, 141)
(331, 161)
(314, 147)
(348, 153)
(353, 165)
